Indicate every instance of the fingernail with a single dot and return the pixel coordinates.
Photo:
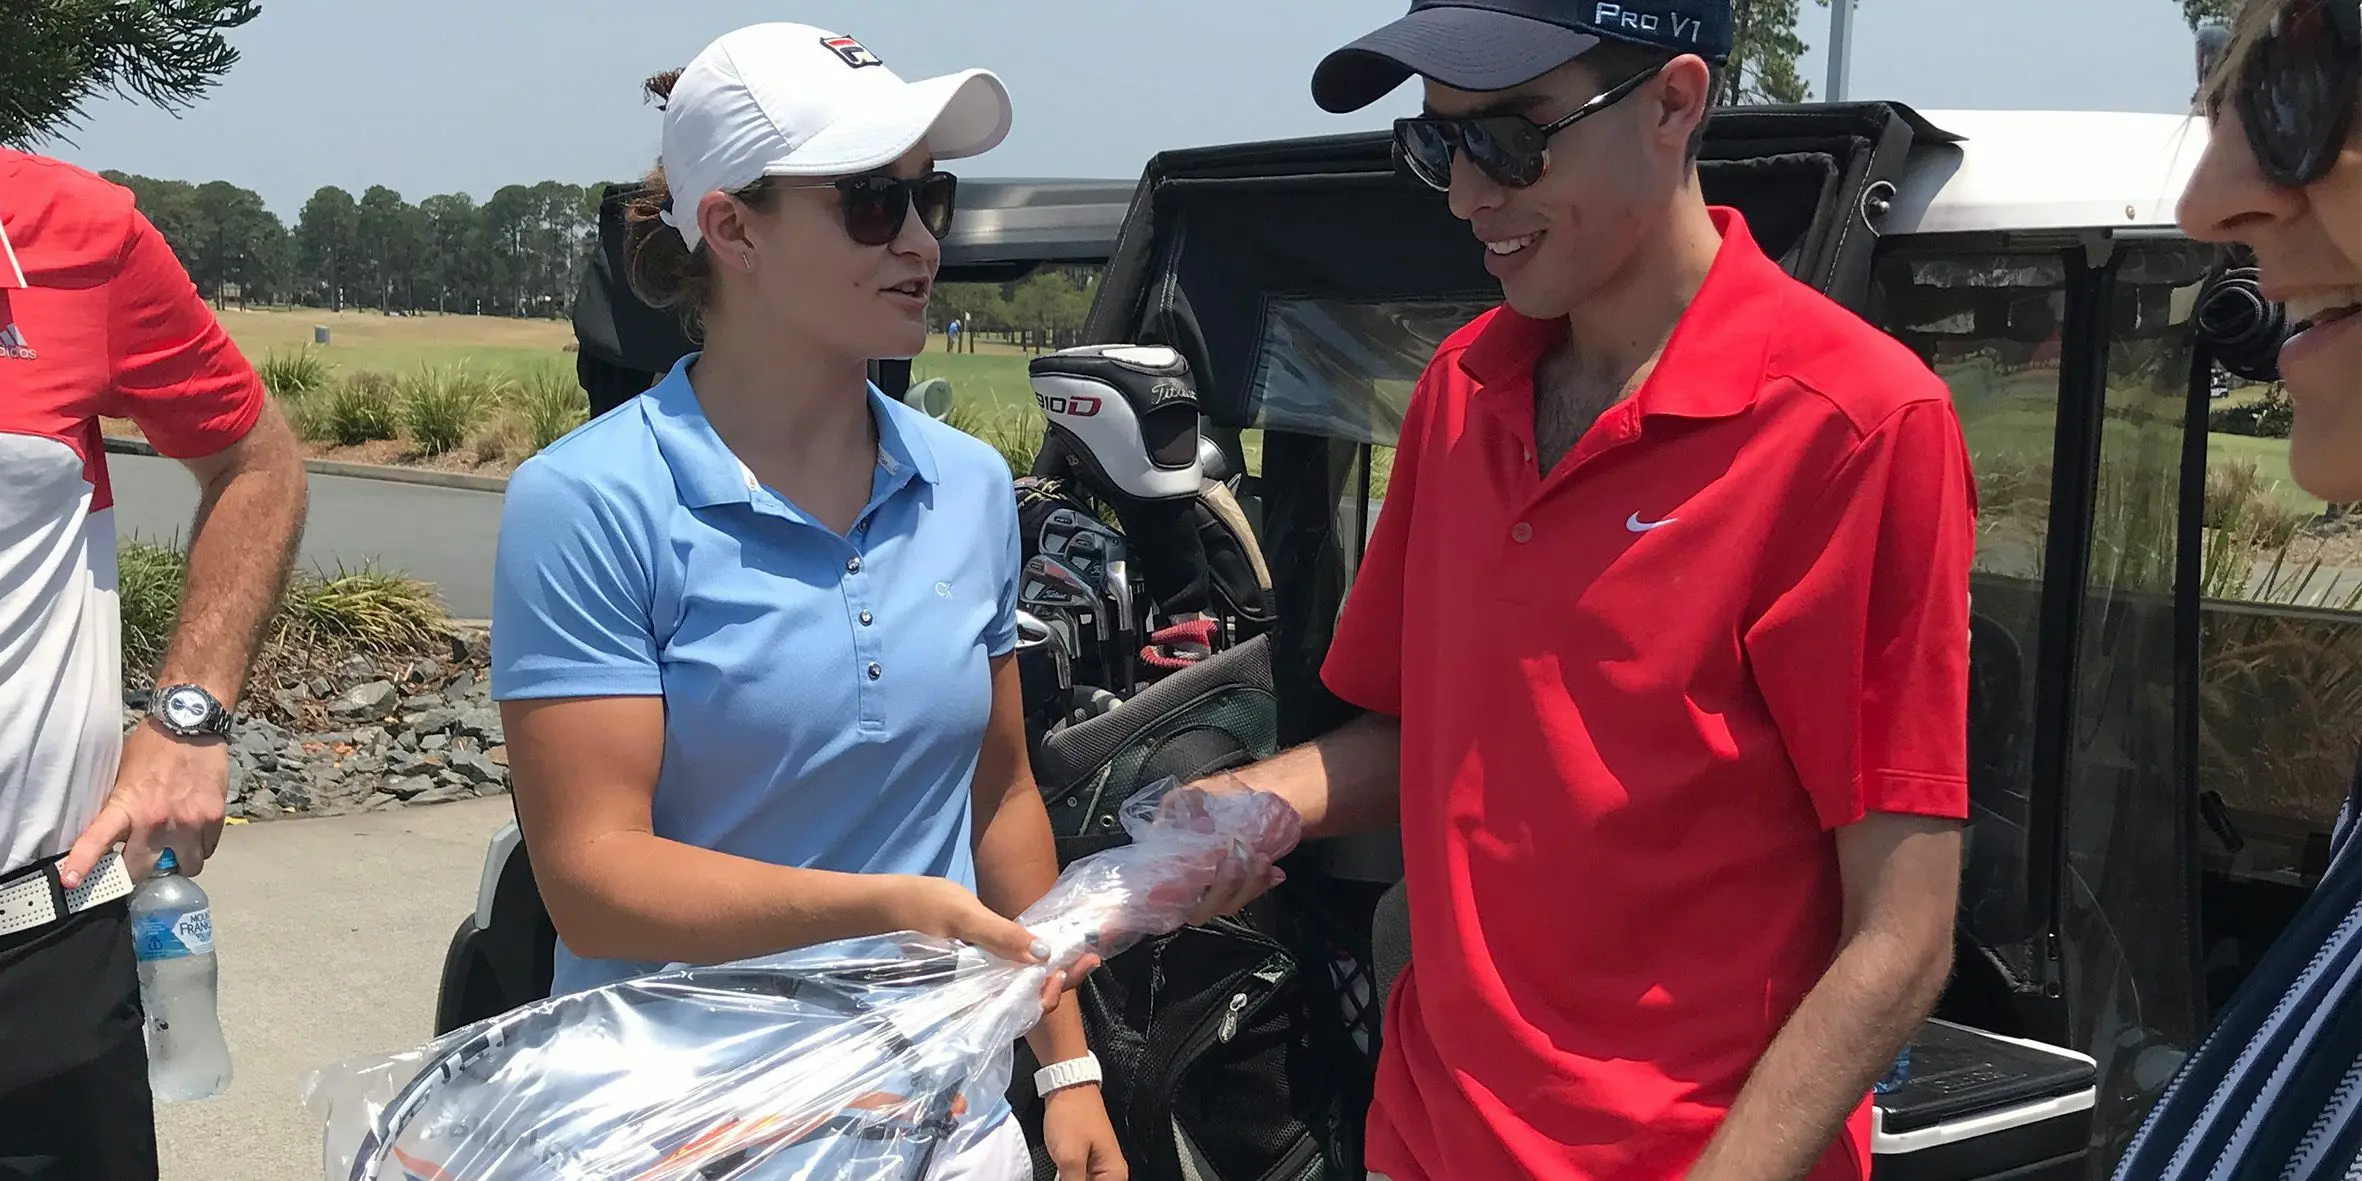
(1041, 949)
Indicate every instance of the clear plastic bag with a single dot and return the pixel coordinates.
(852, 1061)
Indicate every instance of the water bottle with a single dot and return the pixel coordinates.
(179, 982)
(1897, 1075)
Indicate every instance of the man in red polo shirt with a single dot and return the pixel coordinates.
(97, 318)
(1663, 639)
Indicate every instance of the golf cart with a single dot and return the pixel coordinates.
(2110, 900)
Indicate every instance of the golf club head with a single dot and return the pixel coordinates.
(1050, 583)
(1045, 668)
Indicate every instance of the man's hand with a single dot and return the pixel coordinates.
(1079, 1136)
(1240, 880)
(169, 794)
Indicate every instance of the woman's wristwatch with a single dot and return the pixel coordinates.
(1073, 1072)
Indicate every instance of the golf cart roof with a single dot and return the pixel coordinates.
(2046, 170)
(1014, 224)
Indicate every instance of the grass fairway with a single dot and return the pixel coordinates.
(360, 341)
(2270, 457)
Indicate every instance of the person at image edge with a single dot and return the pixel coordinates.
(97, 318)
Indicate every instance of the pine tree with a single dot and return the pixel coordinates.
(56, 55)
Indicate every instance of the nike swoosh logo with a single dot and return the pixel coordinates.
(1635, 524)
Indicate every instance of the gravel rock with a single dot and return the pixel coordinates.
(482, 723)
(479, 769)
(432, 721)
(371, 699)
(411, 786)
(413, 764)
(418, 731)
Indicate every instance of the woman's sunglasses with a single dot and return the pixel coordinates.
(876, 205)
(2297, 89)
(1510, 149)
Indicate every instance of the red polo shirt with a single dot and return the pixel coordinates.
(1637, 696)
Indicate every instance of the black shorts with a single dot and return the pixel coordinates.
(74, 1100)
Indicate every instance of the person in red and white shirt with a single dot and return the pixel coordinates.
(1662, 639)
(97, 318)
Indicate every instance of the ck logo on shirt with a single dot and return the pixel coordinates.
(13, 346)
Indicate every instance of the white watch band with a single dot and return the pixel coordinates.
(1073, 1072)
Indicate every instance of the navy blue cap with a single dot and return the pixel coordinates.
(1485, 45)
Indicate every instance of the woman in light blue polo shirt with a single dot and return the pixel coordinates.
(752, 629)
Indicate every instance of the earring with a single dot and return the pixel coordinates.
(746, 258)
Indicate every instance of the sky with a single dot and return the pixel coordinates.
(434, 96)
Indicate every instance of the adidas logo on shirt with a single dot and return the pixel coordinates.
(13, 346)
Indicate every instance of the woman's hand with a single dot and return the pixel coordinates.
(1081, 1139)
(948, 910)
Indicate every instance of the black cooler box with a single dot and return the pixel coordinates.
(1977, 1106)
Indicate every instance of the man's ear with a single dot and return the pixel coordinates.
(1685, 93)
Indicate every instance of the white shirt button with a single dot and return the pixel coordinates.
(1521, 533)
(867, 619)
(852, 565)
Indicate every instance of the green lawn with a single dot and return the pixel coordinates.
(2271, 462)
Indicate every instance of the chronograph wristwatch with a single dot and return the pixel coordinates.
(188, 711)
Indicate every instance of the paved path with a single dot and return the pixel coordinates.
(442, 535)
(331, 935)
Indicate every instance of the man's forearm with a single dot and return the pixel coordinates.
(1837, 1044)
(1346, 781)
(242, 546)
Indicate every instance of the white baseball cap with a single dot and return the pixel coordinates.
(782, 99)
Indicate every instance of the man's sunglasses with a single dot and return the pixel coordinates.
(2297, 88)
(1510, 149)
(876, 205)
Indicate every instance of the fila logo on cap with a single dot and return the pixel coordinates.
(13, 346)
(855, 54)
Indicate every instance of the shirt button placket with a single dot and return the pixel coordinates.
(865, 645)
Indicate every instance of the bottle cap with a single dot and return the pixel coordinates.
(167, 863)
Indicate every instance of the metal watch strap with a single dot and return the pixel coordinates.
(1073, 1072)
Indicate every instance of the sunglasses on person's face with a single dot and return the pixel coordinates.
(876, 205)
(1512, 150)
(2298, 87)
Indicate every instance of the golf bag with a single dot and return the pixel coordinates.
(1236, 1051)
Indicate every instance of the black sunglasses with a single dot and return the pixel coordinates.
(876, 205)
(2297, 89)
(1510, 149)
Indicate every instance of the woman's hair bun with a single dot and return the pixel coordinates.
(659, 87)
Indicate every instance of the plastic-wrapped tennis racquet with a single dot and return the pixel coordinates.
(849, 1061)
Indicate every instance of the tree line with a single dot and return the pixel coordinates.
(519, 253)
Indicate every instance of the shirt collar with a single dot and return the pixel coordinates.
(708, 473)
(1715, 361)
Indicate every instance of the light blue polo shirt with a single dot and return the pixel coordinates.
(825, 695)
